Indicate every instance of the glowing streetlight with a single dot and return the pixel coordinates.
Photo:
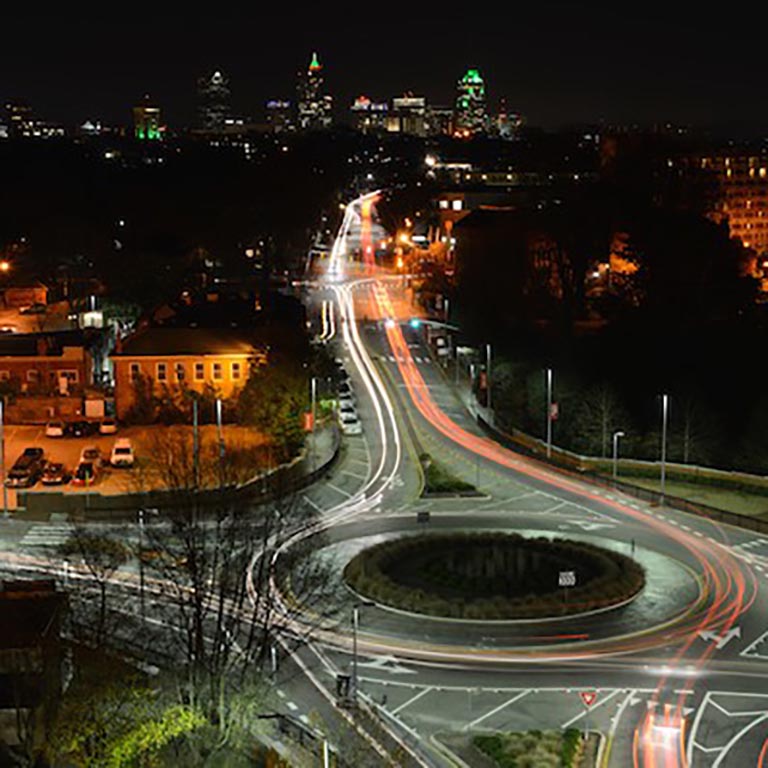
(616, 436)
(5, 265)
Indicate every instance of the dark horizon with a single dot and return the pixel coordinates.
(559, 63)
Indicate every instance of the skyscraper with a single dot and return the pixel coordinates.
(213, 96)
(471, 111)
(314, 104)
(146, 120)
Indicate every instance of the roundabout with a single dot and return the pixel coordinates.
(493, 576)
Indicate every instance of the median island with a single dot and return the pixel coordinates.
(493, 576)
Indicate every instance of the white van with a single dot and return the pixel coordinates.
(122, 453)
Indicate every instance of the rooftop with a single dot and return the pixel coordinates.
(151, 342)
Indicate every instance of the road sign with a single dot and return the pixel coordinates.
(588, 697)
(566, 579)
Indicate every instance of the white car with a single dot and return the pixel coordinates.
(122, 453)
(54, 429)
(346, 402)
(350, 424)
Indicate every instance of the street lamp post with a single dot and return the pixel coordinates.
(2, 457)
(664, 420)
(141, 564)
(355, 624)
(313, 399)
(549, 412)
(488, 379)
(220, 434)
(616, 436)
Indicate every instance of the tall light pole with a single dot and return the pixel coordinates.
(488, 379)
(549, 412)
(2, 457)
(220, 435)
(616, 436)
(195, 445)
(313, 409)
(141, 563)
(355, 624)
(664, 419)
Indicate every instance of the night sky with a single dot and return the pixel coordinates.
(555, 62)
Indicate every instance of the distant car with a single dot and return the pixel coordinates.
(86, 473)
(54, 429)
(34, 309)
(31, 453)
(345, 389)
(108, 427)
(346, 402)
(82, 428)
(55, 473)
(350, 424)
(7, 329)
(122, 453)
(91, 453)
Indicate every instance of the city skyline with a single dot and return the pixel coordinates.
(558, 63)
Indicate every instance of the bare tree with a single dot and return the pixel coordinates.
(101, 556)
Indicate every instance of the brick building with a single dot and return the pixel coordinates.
(45, 363)
(188, 358)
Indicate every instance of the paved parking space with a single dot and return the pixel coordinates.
(111, 481)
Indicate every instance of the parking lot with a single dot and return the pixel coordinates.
(110, 481)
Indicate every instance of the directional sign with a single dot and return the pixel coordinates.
(588, 697)
(720, 641)
(566, 579)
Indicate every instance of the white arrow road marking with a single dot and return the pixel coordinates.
(721, 641)
(387, 664)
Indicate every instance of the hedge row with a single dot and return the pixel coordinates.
(372, 573)
(532, 749)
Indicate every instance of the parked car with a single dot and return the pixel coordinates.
(54, 429)
(86, 473)
(55, 473)
(346, 402)
(34, 309)
(91, 453)
(345, 389)
(122, 453)
(350, 424)
(108, 427)
(27, 469)
(82, 428)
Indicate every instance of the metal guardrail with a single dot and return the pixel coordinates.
(644, 494)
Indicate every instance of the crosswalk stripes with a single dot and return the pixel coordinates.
(52, 535)
(421, 360)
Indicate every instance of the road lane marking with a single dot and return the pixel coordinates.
(411, 700)
(338, 490)
(727, 748)
(496, 710)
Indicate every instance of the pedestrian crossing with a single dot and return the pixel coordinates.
(420, 360)
(47, 535)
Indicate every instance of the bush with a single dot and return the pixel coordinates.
(414, 573)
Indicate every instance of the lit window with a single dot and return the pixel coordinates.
(33, 376)
(199, 371)
(180, 372)
(457, 205)
(763, 173)
(443, 204)
(135, 371)
(217, 371)
(236, 371)
(162, 372)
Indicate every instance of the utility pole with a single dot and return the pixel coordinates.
(664, 419)
(195, 445)
(549, 413)
(220, 435)
(488, 380)
(2, 457)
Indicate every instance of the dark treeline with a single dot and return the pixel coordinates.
(678, 315)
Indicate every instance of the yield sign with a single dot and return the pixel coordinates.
(588, 697)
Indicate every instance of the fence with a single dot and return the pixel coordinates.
(281, 481)
(580, 465)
